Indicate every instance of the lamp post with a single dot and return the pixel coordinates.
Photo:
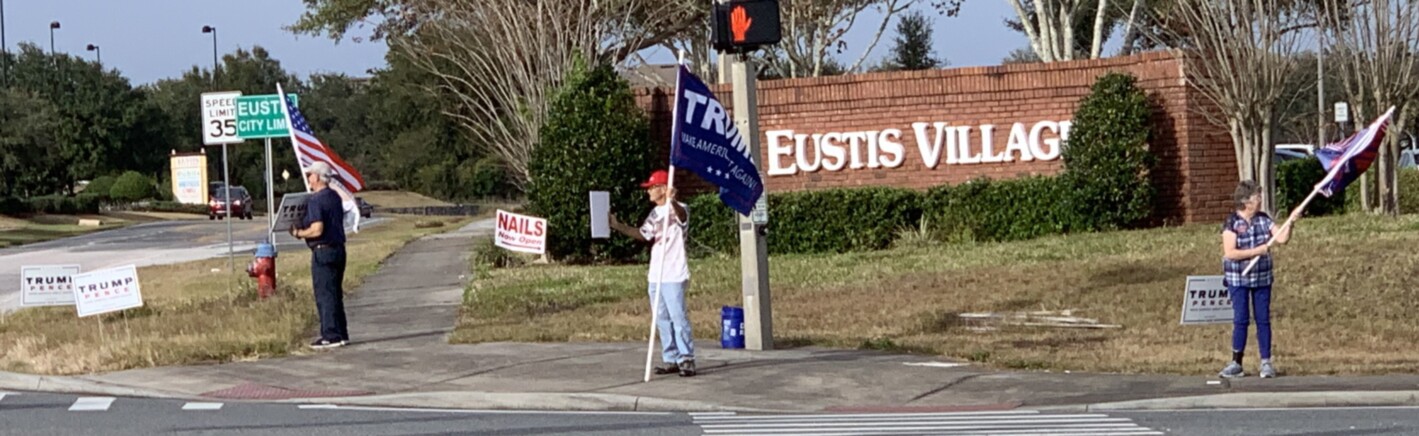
(97, 52)
(52, 26)
(213, 31)
(4, 46)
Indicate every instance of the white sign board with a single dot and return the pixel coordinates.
(521, 233)
(600, 214)
(219, 118)
(1342, 112)
(47, 285)
(760, 214)
(109, 290)
(291, 211)
(1206, 301)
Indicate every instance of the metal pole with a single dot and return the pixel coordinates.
(753, 248)
(227, 185)
(270, 198)
(4, 46)
(214, 55)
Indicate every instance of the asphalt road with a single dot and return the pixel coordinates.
(62, 414)
(46, 414)
(158, 243)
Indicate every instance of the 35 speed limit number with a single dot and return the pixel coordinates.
(219, 118)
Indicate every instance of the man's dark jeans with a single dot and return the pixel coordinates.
(327, 271)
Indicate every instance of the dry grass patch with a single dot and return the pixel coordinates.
(1344, 300)
(190, 316)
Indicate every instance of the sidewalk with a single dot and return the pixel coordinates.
(400, 317)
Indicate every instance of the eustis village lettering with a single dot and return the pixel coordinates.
(935, 143)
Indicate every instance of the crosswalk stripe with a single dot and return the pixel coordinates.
(202, 406)
(91, 404)
(993, 423)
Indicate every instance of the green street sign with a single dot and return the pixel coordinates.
(260, 116)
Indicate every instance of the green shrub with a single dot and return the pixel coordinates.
(14, 206)
(132, 186)
(1106, 161)
(86, 203)
(829, 221)
(986, 210)
(595, 138)
(1409, 190)
(62, 205)
(170, 206)
(486, 178)
(100, 186)
(1295, 179)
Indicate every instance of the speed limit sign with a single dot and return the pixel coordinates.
(219, 118)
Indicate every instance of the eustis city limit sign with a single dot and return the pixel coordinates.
(260, 116)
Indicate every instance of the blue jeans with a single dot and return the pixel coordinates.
(1259, 299)
(676, 343)
(327, 273)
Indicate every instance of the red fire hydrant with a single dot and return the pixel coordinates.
(263, 267)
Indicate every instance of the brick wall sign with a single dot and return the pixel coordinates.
(922, 129)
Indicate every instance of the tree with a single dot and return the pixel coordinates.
(1374, 46)
(911, 49)
(1021, 56)
(1240, 54)
(596, 139)
(132, 186)
(29, 128)
(1062, 30)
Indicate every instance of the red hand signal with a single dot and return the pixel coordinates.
(739, 22)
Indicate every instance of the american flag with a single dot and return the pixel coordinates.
(1344, 161)
(310, 149)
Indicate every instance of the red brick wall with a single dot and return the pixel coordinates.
(1196, 169)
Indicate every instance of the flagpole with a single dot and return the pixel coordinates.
(1329, 177)
(292, 131)
(665, 225)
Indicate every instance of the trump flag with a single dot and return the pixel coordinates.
(705, 140)
(1344, 161)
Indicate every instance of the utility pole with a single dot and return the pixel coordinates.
(753, 247)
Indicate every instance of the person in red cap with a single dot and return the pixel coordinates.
(669, 270)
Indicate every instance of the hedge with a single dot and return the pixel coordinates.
(1294, 181)
(1005, 210)
(828, 221)
(62, 205)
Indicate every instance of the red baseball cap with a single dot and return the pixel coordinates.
(659, 177)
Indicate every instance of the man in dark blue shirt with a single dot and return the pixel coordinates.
(323, 229)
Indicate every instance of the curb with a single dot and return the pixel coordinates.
(1254, 400)
(586, 402)
(76, 385)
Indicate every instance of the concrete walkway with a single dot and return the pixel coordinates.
(400, 318)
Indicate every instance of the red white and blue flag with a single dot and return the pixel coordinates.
(1344, 161)
(310, 149)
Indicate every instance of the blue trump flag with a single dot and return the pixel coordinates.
(703, 139)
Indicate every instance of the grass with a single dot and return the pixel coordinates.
(39, 228)
(1344, 300)
(400, 199)
(189, 315)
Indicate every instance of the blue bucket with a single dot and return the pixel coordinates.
(731, 333)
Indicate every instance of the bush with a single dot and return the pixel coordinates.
(62, 205)
(14, 206)
(828, 221)
(87, 203)
(486, 178)
(1295, 179)
(100, 186)
(382, 185)
(1106, 161)
(986, 210)
(595, 138)
(1409, 190)
(169, 206)
(132, 186)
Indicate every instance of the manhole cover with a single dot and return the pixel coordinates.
(253, 391)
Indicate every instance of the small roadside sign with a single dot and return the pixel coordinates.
(1206, 301)
(108, 290)
(260, 116)
(760, 214)
(47, 285)
(521, 233)
(1342, 112)
(219, 118)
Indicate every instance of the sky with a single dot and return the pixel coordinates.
(148, 40)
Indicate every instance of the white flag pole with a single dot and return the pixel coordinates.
(665, 226)
(1330, 176)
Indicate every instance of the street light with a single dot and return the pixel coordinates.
(97, 52)
(4, 46)
(213, 31)
(52, 26)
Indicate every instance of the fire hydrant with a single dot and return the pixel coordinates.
(263, 267)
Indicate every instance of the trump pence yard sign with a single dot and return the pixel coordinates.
(108, 290)
(47, 285)
(521, 233)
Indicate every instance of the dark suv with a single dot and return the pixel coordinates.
(240, 204)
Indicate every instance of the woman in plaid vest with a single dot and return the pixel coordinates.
(1248, 233)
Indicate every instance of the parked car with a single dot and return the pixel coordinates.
(1286, 152)
(240, 204)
